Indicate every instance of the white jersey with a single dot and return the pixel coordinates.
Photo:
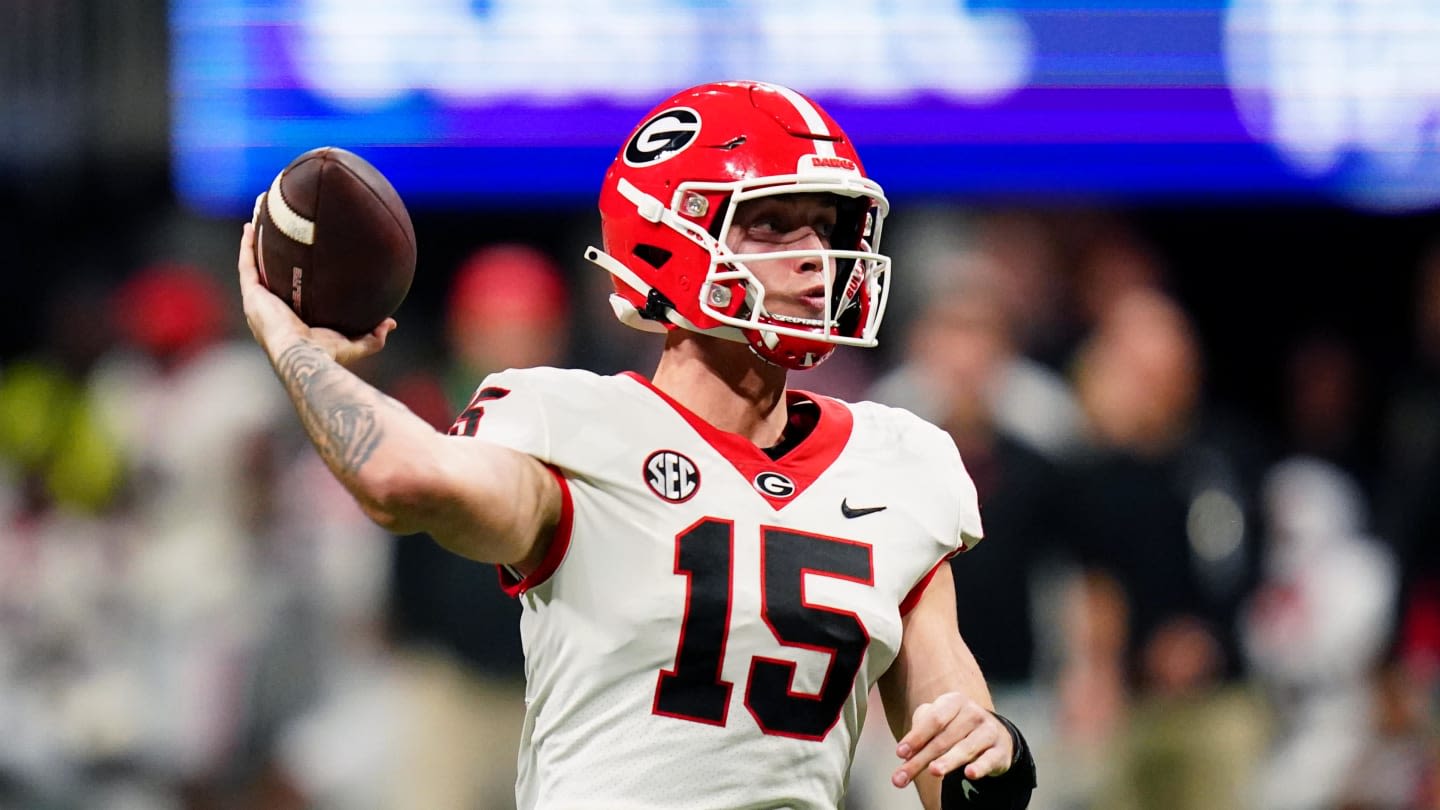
(708, 624)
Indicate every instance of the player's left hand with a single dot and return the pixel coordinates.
(954, 731)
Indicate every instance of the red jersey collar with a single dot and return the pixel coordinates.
(801, 466)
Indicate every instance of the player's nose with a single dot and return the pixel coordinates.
(809, 240)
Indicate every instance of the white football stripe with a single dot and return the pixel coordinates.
(291, 224)
(810, 115)
(260, 247)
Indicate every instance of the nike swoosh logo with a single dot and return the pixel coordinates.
(849, 512)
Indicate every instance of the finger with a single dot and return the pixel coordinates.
(992, 762)
(927, 721)
(977, 746)
(249, 273)
(952, 710)
(346, 350)
(937, 747)
(920, 750)
(375, 341)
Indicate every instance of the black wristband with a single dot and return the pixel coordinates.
(1008, 791)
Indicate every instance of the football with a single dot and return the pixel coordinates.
(334, 240)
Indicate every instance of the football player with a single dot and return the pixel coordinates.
(715, 569)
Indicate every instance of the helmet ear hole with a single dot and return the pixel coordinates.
(715, 221)
(654, 256)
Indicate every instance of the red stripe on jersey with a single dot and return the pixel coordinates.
(806, 462)
(913, 598)
(559, 544)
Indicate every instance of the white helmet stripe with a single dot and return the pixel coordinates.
(811, 117)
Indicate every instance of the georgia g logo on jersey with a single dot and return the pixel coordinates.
(774, 484)
(672, 476)
(664, 136)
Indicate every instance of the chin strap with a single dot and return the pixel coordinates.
(626, 313)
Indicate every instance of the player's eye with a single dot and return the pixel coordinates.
(768, 224)
(768, 228)
(779, 229)
(783, 223)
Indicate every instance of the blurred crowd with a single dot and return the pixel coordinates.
(1184, 605)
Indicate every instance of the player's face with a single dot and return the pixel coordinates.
(796, 287)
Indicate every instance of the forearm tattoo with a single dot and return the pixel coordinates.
(338, 413)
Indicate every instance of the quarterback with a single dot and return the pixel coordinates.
(715, 569)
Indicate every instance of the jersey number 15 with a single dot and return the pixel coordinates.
(694, 689)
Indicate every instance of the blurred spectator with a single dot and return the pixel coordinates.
(55, 448)
(1030, 402)
(1110, 262)
(1324, 404)
(72, 696)
(1403, 758)
(1399, 764)
(1409, 508)
(508, 308)
(1001, 586)
(321, 573)
(1161, 510)
(1026, 250)
(137, 636)
(64, 696)
(965, 335)
(190, 408)
(1314, 633)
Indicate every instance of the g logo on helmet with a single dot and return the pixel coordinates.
(664, 136)
(774, 484)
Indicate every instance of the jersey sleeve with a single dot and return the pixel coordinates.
(956, 518)
(509, 410)
(964, 529)
(969, 530)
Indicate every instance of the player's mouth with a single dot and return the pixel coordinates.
(806, 309)
(813, 300)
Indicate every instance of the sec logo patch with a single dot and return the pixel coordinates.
(672, 476)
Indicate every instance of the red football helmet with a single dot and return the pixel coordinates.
(672, 192)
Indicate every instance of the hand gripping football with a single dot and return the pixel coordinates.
(333, 239)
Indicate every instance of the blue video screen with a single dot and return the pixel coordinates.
(505, 102)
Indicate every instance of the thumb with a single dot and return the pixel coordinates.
(367, 344)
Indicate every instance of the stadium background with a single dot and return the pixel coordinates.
(1273, 256)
